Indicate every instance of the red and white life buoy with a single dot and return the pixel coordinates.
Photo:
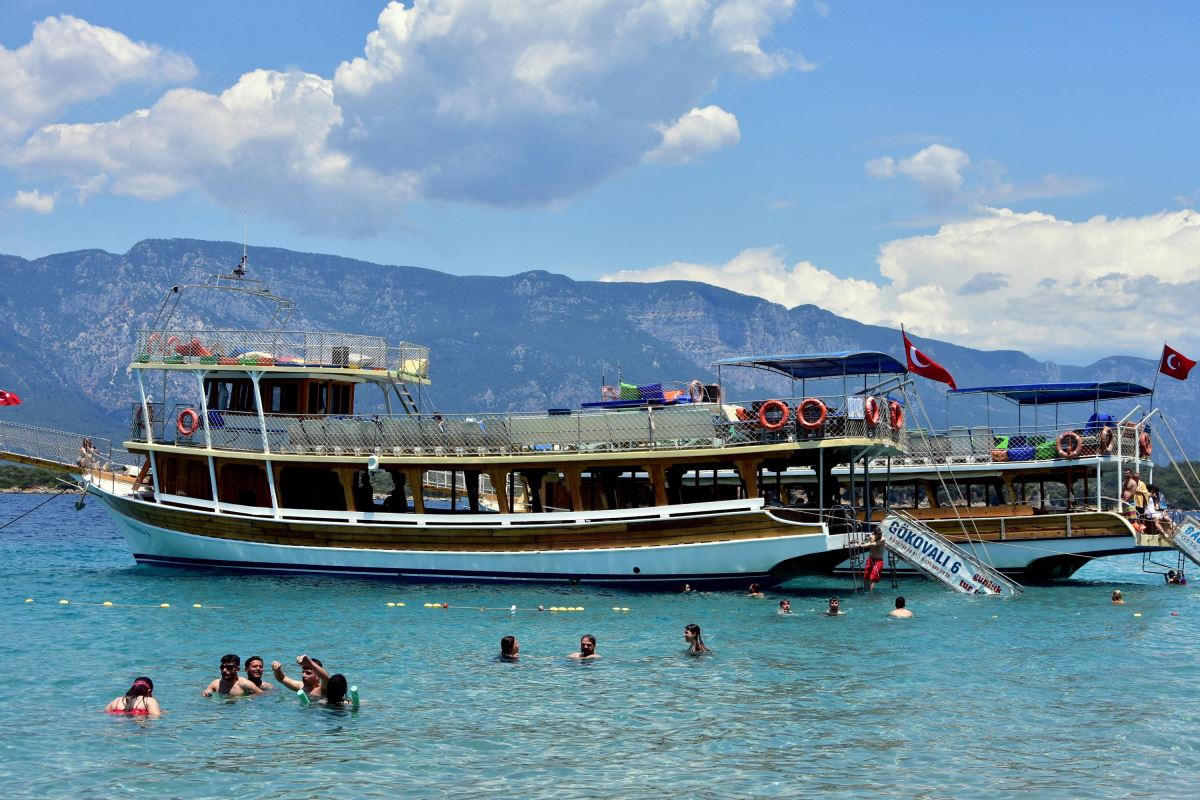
(817, 407)
(895, 415)
(871, 411)
(1145, 446)
(695, 391)
(1107, 440)
(1069, 444)
(188, 422)
(769, 409)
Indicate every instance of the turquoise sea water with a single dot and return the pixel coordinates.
(1054, 694)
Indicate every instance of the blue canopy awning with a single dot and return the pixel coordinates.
(821, 365)
(1047, 393)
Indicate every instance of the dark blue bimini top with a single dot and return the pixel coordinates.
(1028, 394)
(821, 365)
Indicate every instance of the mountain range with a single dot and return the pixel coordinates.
(529, 341)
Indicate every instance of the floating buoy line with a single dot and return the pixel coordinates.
(391, 604)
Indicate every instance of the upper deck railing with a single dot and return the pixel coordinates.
(244, 348)
(685, 426)
(1024, 443)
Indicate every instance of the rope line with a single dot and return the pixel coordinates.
(35, 508)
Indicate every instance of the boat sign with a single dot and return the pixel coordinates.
(940, 559)
(1187, 538)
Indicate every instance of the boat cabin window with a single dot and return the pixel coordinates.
(311, 487)
(330, 397)
(292, 396)
(244, 484)
(281, 397)
(230, 395)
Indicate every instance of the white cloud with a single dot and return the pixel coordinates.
(942, 172)
(484, 101)
(1001, 280)
(701, 130)
(69, 60)
(33, 201)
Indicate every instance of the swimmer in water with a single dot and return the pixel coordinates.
(336, 688)
(900, 612)
(510, 649)
(785, 607)
(309, 681)
(835, 608)
(587, 649)
(755, 591)
(691, 635)
(1117, 598)
(254, 673)
(138, 701)
(230, 684)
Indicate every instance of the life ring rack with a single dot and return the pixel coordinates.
(777, 407)
(822, 412)
(188, 422)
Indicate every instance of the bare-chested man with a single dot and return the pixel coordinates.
(874, 569)
(254, 672)
(311, 681)
(230, 684)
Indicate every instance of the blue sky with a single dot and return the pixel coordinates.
(1018, 175)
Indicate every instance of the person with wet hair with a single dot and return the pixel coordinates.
(138, 701)
(691, 635)
(310, 681)
(587, 649)
(510, 648)
(230, 684)
(254, 673)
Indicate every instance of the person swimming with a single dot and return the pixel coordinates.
(785, 606)
(691, 635)
(510, 649)
(835, 608)
(138, 701)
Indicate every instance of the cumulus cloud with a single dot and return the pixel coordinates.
(1001, 280)
(69, 60)
(33, 201)
(485, 101)
(942, 172)
(700, 131)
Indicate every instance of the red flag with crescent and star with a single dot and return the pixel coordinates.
(1175, 363)
(920, 364)
(9, 399)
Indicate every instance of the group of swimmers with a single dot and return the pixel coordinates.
(315, 684)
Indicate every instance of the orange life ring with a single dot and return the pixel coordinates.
(188, 422)
(895, 415)
(1107, 440)
(777, 406)
(1145, 446)
(811, 403)
(1069, 444)
(871, 411)
(695, 391)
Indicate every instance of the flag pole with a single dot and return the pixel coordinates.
(1154, 385)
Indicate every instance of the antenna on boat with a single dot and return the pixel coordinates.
(240, 272)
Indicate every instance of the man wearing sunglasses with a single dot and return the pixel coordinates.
(230, 684)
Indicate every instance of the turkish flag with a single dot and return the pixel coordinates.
(1175, 363)
(919, 364)
(10, 399)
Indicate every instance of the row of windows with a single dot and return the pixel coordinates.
(302, 396)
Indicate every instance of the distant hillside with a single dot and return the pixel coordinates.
(527, 341)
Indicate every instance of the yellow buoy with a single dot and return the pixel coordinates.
(391, 605)
(579, 609)
(1137, 613)
(616, 608)
(197, 605)
(164, 605)
(429, 605)
(400, 604)
(107, 603)
(64, 602)
(28, 599)
(624, 609)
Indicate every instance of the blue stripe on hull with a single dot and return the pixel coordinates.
(728, 580)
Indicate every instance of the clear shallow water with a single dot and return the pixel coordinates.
(1055, 694)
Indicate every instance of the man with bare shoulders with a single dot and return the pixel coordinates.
(310, 679)
(230, 684)
(587, 649)
(254, 673)
(875, 555)
(900, 612)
